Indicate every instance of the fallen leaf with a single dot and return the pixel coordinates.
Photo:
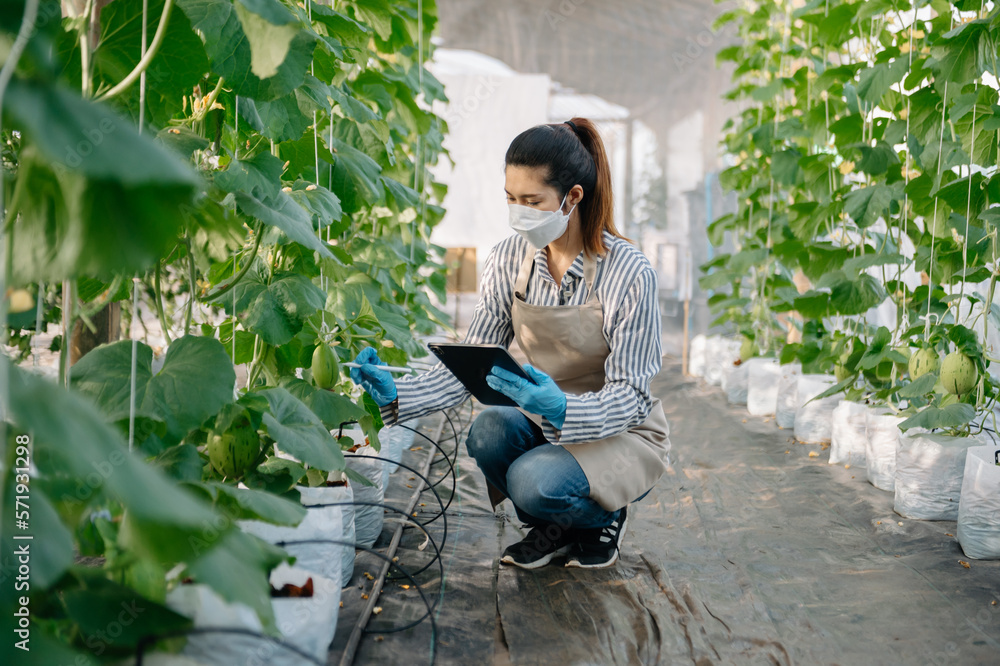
(847, 467)
(813, 454)
(949, 534)
(900, 524)
(364, 596)
(377, 610)
(965, 564)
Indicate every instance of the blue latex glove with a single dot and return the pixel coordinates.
(378, 383)
(543, 397)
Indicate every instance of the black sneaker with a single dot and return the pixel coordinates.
(598, 547)
(538, 548)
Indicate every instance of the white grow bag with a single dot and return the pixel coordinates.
(881, 435)
(734, 383)
(320, 523)
(763, 375)
(847, 434)
(697, 356)
(342, 495)
(309, 623)
(722, 353)
(929, 471)
(979, 507)
(814, 418)
(788, 395)
(368, 519)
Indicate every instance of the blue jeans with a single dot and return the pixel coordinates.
(543, 480)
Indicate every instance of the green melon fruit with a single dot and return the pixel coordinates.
(325, 367)
(958, 373)
(923, 361)
(232, 453)
(747, 350)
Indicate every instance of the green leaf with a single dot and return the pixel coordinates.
(332, 408)
(875, 81)
(178, 66)
(785, 166)
(275, 475)
(875, 160)
(249, 504)
(877, 350)
(867, 204)
(259, 176)
(962, 54)
(919, 387)
(163, 512)
(181, 462)
(274, 310)
(953, 416)
(282, 212)
(813, 304)
(355, 177)
(299, 431)
(52, 551)
(108, 604)
(90, 139)
(860, 263)
(279, 119)
(259, 59)
(196, 380)
(855, 297)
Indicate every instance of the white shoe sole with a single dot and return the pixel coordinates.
(507, 559)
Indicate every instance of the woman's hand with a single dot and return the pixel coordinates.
(378, 383)
(543, 397)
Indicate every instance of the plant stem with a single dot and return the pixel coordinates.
(243, 271)
(154, 46)
(193, 285)
(158, 299)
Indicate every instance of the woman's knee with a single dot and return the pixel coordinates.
(490, 431)
(547, 485)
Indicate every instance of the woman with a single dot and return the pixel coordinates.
(581, 302)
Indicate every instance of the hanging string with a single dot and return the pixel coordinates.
(930, 267)
(968, 202)
(903, 232)
(135, 278)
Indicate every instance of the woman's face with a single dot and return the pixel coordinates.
(526, 186)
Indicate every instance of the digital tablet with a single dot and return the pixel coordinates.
(471, 363)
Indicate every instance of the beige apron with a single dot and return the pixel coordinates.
(567, 343)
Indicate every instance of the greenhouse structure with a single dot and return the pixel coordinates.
(284, 381)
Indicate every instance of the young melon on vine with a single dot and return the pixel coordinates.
(747, 350)
(923, 361)
(325, 366)
(958, 373)
(234, 452)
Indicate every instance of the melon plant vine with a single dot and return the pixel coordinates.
(256, 172)
(864, 160)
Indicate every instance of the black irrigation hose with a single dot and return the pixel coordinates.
(451, 465)
(409, 519)
(427, 483)
(428, 615)
(150, 639)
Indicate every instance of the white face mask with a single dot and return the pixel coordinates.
(539, 227)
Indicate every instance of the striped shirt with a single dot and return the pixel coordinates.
(626, 286)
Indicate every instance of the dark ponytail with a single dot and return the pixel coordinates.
(572, 155)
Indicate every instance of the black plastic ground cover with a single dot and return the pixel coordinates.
(749, 551)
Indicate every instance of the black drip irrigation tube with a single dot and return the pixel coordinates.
(360, 628)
